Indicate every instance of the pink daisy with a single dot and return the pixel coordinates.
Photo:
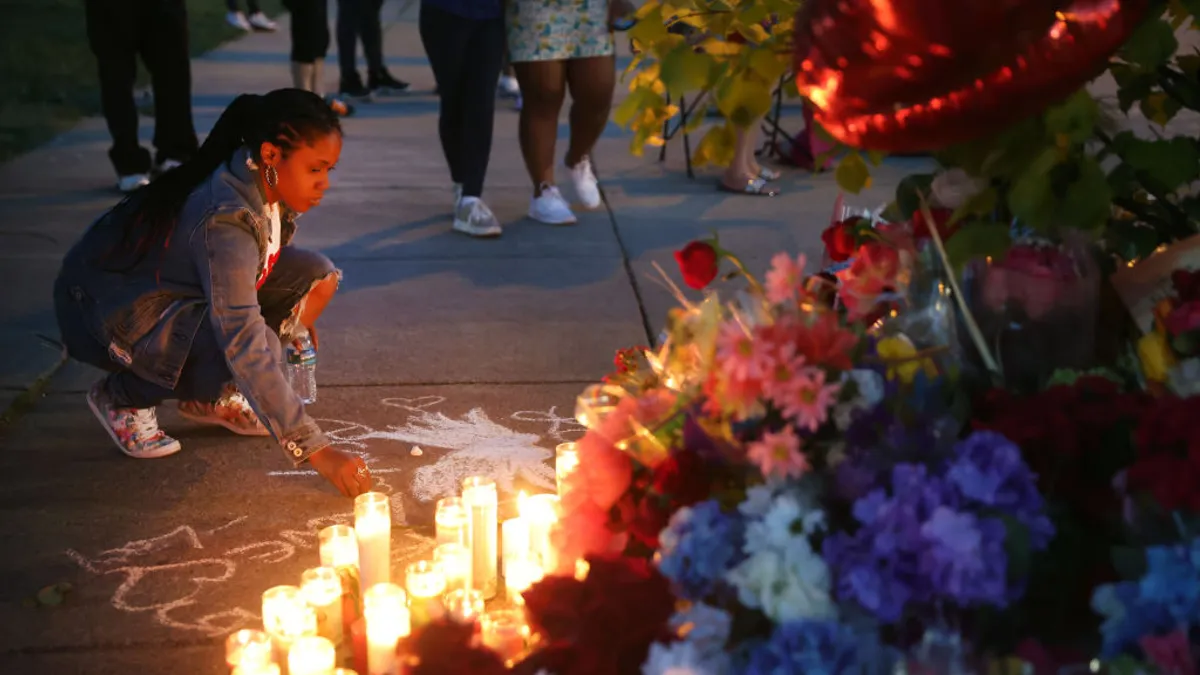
(741, 354)
(778, 454)
(785, 277)
(807, 399)
(788, 366)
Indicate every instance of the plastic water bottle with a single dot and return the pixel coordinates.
(302, 367)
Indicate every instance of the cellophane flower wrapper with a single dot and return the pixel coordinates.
(925, 315)
(1036, 309)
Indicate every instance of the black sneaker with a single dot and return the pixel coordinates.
(353, 89)
(384, 84)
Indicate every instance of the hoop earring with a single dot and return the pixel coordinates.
(271, 175)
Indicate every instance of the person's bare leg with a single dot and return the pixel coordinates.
(591, 82)
(543, 86)
(318, 299)
(738, 173)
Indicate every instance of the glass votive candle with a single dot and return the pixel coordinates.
(540, 512)
(451, 520)
(521, 572)
(454, 562)
(387, 621)
(464, 605)
(566, 459)
(596, 402)
(373, 530)
(426, 585)
(481, 498)
(338, 546)
(322, 590)
(262, 669)
(344, 671)
(249, 648)
(504, 631)
(312, 655)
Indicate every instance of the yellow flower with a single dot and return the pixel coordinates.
(898, 353)
(1155, 355)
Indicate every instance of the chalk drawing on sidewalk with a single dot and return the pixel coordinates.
(175, 577)
(477, 445)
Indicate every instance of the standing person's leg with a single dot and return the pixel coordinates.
(349, 20)
(164, 51)
(445, 39)
(543, 88)
(378, 77)
(112, 35)
(259, 21)
(742, 176)
(484, 54)
(591, 81)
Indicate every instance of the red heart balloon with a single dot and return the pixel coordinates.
(918, 75)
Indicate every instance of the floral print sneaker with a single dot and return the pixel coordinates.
(134, 430)
(231, 411)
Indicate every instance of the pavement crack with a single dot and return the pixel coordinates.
(633, 281)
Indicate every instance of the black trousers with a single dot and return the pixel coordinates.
(119, 31)
(359, 19)
(310, 29)
(465, 55)
(251, 6)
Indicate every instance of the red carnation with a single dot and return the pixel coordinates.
(698, 263)
(839, 239)
(941, 218)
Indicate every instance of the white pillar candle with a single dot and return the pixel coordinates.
(540, 512)
(514, 535)
(313, 655)
(482, 502)
(426, 585)
(339, 547)
(451, 521)
(454, 562)
(464, 605)
(521, 572)
(344, 671)
(263, 669)
(286, 617)
(373, 529)
(248, 649)
(387, 617)
(566, 459)
(322, 590)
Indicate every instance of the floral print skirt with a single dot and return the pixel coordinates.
(557, 30)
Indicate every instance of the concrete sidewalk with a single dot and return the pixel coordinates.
(471, 350)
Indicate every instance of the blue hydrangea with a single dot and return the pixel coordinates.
(1126, 617)
(698, 546)
(805, 648)
(988, 470)
(1172, 581)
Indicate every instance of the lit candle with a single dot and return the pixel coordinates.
(582, 567)
(312, 655)
(322, 590)
(566, 459)
(464, 605)
(451, 521)
(248, 649)
(482, 502)
(344, 671)
(387, 621)
(426, 585)
(286, 617)
(520, 572)
(504, 632)
(541, 514)
(373, 529)
(515, 537)
(454, 561)
(339, 546)
(261, 669)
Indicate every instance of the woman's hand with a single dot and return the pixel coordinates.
(348, 474)
(312, 335)
(619, 9)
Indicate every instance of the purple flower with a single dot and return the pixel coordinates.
(988, 469)
(965, 559)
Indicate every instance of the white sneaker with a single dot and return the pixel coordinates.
(238, 20)
(508, 87)
(259, 21)
(132, 182)
(586, 186)
(551, 208)
(457, 194)
(519, 103)
(167, 165)
(135, 431)
(473, 217)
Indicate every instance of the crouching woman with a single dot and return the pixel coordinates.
(186, 288)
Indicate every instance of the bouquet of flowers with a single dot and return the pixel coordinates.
(1170, 352)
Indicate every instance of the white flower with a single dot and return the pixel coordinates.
(758, 501)
(1184, 379)
(787, 585)
(777, 528)
(953, 188)
(704, 626)
(868, 386)
(683, 658)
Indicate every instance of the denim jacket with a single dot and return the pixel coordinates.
(148, 313)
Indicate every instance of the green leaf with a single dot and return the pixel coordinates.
(1031, 198)
(744, 102)
(684, 70)
(1151, 45)
(978, 240)
(853, 174)
(53, 595)
(1129, 562)
(1075, 119)
(1132, 240)
(634, 103)
(1189, 63)
(981, 203)
(1160, 108)
(909, 191)
(875, 157)
(1133, 84)
(1167, 164)
(716, 147)
(1125, 665)
(1087, 203)
(650, 29)
(1186, 344)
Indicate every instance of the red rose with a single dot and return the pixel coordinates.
(941, 218)
(1187, 284)
(698, 263)
(1184, 318)
(839, 240)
